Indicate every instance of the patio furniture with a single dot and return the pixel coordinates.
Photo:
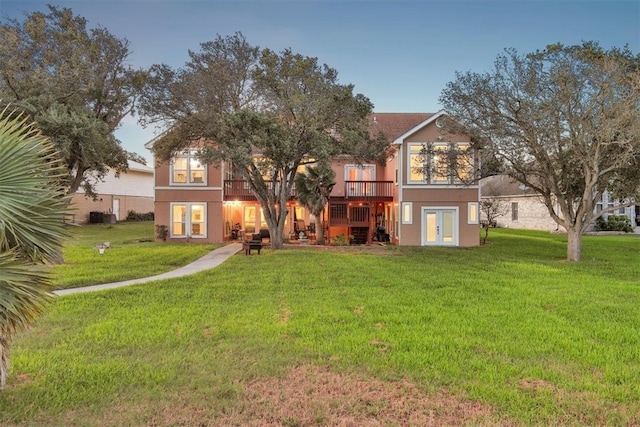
(255, 243)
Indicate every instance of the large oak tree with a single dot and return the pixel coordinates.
(266, 113)
(76, 85)
(565, 121)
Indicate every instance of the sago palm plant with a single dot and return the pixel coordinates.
(314, 189)
(32, 212)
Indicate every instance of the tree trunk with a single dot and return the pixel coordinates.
(276, 232)
(486, 234)
(4, 360)
(574, 244)
(319, 230)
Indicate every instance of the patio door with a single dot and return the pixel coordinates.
(440, 227)
(358, 177)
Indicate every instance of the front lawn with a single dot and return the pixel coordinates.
(503, 334)
(132, 254)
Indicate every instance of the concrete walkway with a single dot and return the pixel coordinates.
(210, 260)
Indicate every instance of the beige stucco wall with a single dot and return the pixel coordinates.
(532, 214)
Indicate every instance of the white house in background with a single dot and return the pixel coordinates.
(130, 191)
(525, 208)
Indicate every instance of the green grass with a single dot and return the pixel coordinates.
(132, 254)
(485, 323)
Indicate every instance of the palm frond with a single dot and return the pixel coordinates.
(32, 212)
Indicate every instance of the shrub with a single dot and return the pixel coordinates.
(614, 223)
(135, 216)
(162, 231)
(342, 240)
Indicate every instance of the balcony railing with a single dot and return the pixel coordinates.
(368, 190)
(238, 189)
(353, 190)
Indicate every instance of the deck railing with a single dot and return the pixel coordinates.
(238, 189)
(364, 190)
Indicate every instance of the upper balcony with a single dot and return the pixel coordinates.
(378, 191)
(238, 189)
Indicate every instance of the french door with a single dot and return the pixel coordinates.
(440, 226)
(359, 177)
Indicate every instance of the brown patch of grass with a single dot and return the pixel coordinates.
(285, 314)
(313, 396)
(536, 384)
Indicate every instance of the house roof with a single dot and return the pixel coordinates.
(503, 185)
(394, 125)
(139, 167)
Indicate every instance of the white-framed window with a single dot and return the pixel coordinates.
(417, 170)
(473, 216)
(464, 163)
(514, 211)
(188, 220)
(440, 163)
(186, 169)
(407, 212)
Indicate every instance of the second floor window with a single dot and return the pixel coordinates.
(440, 163)
(186, 169)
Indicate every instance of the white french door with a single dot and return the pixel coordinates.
(359, 177)
(440, 226)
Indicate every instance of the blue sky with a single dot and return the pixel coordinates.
(398, 53)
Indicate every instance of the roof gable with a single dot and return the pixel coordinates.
(428, 120)
(394, 125)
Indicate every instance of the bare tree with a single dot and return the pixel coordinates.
(492, 208)
(564, 121)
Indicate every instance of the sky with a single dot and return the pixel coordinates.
(398, 53)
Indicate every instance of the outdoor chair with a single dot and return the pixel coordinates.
(254, 243)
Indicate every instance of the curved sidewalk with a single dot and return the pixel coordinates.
(210, 260)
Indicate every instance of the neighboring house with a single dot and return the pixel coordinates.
(525, 208)
(130, 191)
(413, 198)
(633, 212)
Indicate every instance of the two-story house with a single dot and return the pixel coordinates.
(414, 199)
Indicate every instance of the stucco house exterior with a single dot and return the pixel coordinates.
(414, 199)
(130, 191)
(526, 210)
